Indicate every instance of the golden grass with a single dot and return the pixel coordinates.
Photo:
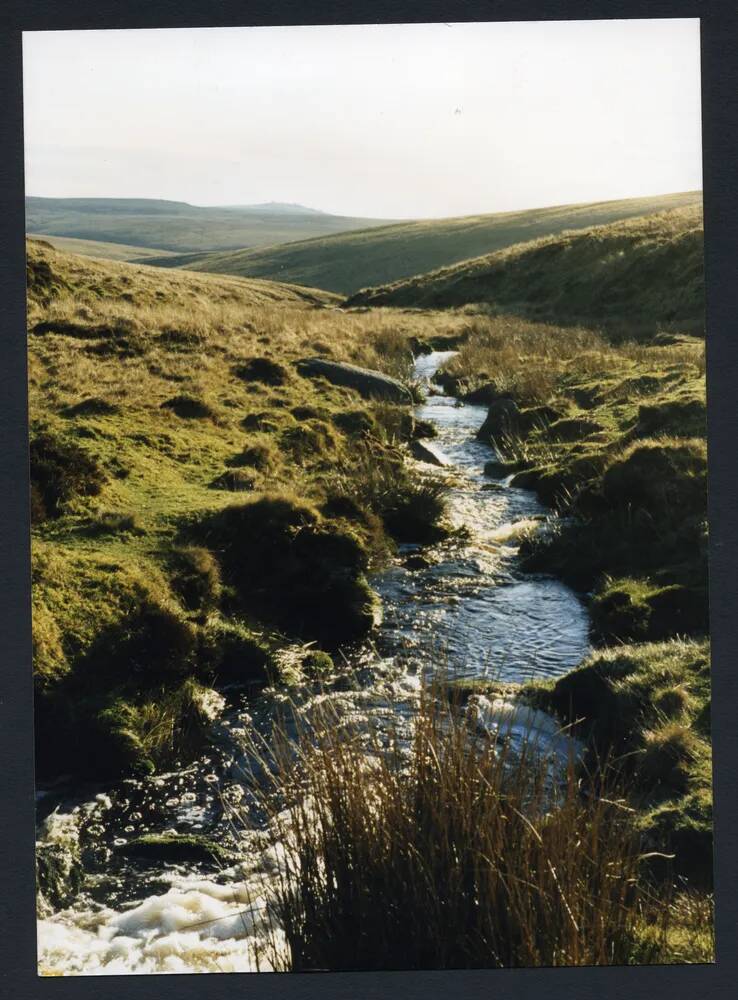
(446, 848)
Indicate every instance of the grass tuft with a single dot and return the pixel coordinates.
(446, 849)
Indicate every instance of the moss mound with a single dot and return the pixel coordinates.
(234, 480)
(415, 512)
(291, 567)
(60, 471)
(628, 609)
(666, 478)
(196, 577)
(259, 456)
(176, 847)
(92, 406)
(189, 407)
(233, 654)
(645, 704)
(262, 370)
(685, 417)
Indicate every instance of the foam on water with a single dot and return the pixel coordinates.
(196, 926)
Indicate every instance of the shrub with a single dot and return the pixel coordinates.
(60, 471)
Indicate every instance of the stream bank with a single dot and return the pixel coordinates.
(469, 612)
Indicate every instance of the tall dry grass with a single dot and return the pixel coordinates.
(446, 849)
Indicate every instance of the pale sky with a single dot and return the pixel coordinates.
(388, 121)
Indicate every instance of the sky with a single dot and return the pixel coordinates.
(383, 121)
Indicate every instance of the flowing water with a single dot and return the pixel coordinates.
(468, 612)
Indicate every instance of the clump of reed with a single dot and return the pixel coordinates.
(446, 849)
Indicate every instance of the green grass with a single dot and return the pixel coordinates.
(647, 705)
(633, 277)
(350, 261)
(179, 227)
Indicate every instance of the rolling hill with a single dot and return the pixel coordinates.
(101, 250)
(640, 274)
(180, 227)
(350, 261)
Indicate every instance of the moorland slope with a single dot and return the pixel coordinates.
(635, 275)
(350, 261)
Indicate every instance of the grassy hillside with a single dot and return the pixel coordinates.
(104, 251)
(175, 452)
(636, 275)
(348, 262)
(177, 226)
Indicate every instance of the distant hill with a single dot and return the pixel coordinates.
(637, 275)
(179, 227)
(104, 251)
(353, 260)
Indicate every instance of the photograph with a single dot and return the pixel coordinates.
(368, 497)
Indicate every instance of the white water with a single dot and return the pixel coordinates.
(469, 612)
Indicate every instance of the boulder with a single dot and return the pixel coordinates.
(423, 451)
(503, 420)
(416, 561)
(368, 383)
(175, 847)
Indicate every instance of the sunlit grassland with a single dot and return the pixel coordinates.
(347, 262)
(631, 277)
(146, 421)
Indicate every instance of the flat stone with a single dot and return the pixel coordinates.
(368, 383)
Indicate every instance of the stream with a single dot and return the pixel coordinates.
(466, 611)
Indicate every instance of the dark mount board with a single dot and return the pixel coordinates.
(720, 137)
